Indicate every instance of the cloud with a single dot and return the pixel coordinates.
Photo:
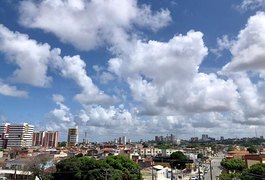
(73, 67)
(206, 94)
(164, 77)
(34, 59)
(222, 44)
(247, 70)
(60, 118)
(8, 90)
(248, 49)
(109, 118)
(28, 55)
(96, 119)
(251, 5)
(89, 24)
(58, 98)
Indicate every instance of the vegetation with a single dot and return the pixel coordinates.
(228, 176)
(200, 156)
(234, 165)
(113, 167)
(178, 155)
(62, 144)
(163, 146)
(252, 149)
(256, 171)
(178, 160)
(230, 148)
(37, 166)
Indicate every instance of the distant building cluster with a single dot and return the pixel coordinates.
(168, 139)
(122, 140)
(205, 138)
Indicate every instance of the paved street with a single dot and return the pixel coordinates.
(215, 168)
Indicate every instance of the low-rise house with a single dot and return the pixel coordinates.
(236, 154)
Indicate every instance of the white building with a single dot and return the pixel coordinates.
(124, 141)
(16, 135)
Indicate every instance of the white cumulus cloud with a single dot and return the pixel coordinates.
(89, 24)
(248, 49)
(73, 67)
(30, 57)
(8, 90)
(164, 77)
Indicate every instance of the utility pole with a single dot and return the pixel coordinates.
(199, 172)
(211, 173)
(152, 171)
(15, 173)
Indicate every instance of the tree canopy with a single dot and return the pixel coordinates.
(256, 171)
(178, 160)
(178, 155)
(233, 164)
(252, 149)
(113, 167)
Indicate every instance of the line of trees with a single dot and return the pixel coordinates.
(236, 169)
(113, 167)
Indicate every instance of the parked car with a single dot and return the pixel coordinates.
(194, 178)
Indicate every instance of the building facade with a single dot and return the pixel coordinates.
(45, 138)
(16, 135)
(72, 136)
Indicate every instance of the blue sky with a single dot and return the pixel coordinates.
(134, 68)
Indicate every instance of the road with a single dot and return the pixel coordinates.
(216, 171)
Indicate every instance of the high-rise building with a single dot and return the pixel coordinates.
(16, 135)
(72, 136)
(45, 138)
(124, 140)
(205, 137)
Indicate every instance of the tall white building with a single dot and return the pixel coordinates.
(124, 140)
(16, 135)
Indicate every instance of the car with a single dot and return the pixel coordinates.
(194, 178)
(201, 175)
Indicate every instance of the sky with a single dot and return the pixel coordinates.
(137, 68)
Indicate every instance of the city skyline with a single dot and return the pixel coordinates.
(134, 68)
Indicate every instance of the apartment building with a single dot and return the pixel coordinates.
(16, 135)
(72, 136)
(45, 138)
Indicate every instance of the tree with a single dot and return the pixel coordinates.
(178, 155)
(178, 160)
(113, 167)
(200, 156)
(230, 148)
(38, 165)
(233, 164)
(228, 176)
(62, 144)
(252, 149)
(256, 171)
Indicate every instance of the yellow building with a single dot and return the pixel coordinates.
(72, 136)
